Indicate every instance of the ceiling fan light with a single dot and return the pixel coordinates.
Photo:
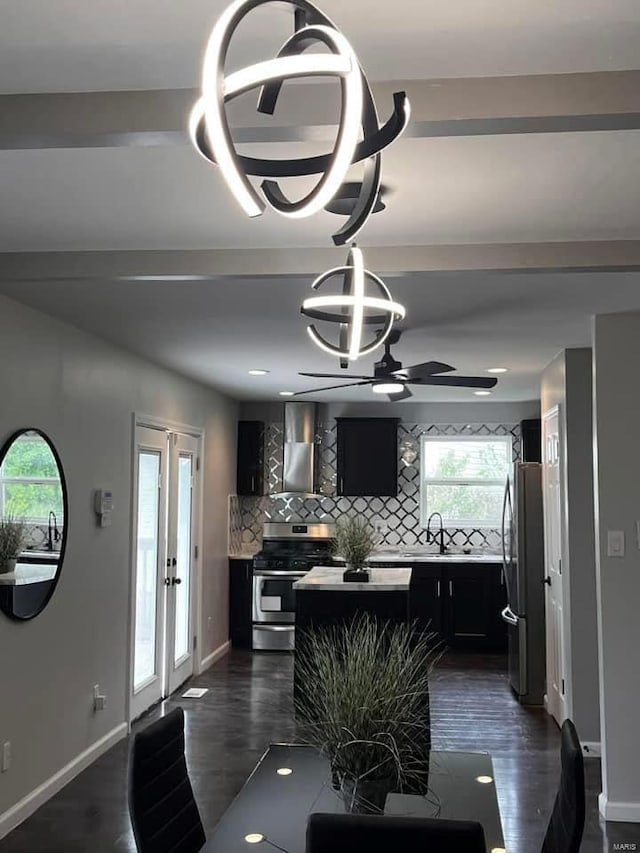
(388, 388)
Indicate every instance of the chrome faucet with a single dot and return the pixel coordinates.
(432, 536)
(54, 533)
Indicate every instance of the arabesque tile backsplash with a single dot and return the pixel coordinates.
(401, 513)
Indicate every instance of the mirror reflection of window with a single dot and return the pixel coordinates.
(32, 508)
(30, 486)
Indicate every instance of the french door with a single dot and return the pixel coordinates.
(164, 552)
(551, 480)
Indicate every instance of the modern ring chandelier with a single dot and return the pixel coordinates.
(211, 135)
(358, 310)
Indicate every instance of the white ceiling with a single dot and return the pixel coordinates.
(215, 331)
(477, 189)
(75, 45)
(499, 188)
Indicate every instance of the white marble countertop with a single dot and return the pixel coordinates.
(330, 578)
(26, 573)
(420, 555)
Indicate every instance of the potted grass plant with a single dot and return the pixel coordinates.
(12, 534)
(355, 541)
(363, 702)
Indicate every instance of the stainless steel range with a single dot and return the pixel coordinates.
(289, 551)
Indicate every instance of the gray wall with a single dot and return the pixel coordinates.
(432, 413)
(617, 415)
(567, 383)
(82, 393)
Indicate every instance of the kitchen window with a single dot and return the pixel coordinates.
(30, 482)
(463, 478)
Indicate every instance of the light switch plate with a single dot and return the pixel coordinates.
(615, 543)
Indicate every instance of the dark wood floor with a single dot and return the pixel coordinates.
(248, 706)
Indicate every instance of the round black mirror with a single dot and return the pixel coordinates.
(33, 523)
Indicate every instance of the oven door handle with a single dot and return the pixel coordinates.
(268, 573)
(273, 628)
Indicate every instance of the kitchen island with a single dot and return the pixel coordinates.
(322, 597)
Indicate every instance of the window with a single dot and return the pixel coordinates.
(30, 481)
(463, 478)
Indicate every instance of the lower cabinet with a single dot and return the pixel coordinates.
(461, 602)
(240, 593)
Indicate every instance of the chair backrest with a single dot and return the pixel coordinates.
(163, 810)
(346, 833)
(564, 832)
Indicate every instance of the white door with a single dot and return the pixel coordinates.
(553, 565)
(165, 539)
(182, 543)
(149, 558)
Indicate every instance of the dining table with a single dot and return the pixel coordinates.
(292, 781)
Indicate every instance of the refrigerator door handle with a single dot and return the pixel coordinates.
(509, 616)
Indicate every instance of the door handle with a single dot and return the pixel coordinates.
(167, 581)
(547, 580)
(438, 588)
(174, 562)
(451, 589)
(174, 581)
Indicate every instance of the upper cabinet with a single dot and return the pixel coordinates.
(367, 456)
(250, 476)
(531, 440)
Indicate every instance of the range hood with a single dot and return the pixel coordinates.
(299, 459)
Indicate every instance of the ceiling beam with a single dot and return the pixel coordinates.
(620, 256)
(547, 103)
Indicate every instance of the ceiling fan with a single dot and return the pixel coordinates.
(390, 378)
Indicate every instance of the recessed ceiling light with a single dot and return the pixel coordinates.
(284, 771)
(258, 372)
(482, 393)
(484, 780)
(497, 370)
(254, 838)
(286, 393)
(388, 388)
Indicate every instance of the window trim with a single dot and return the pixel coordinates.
(457, 481)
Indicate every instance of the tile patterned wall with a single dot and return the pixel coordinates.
(401, 513)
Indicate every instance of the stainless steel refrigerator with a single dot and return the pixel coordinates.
(523, 567)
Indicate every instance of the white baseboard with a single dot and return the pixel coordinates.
(36, 798)
(624, 812)
(215, 655)
(591, 748)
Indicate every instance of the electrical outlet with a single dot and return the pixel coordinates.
(6, 756)
(380, 526)
(99, 699)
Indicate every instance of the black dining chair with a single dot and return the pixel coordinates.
(163, 810)
(566, 826)
(346, 833)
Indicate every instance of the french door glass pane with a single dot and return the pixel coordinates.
(146, 566)
(181, 647)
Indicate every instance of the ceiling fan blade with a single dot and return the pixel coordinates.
(428, 368)
(334, 376)
(333, 387)
(457, 381)
(401, 395)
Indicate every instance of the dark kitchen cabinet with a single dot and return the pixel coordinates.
(425, 603)
(474, 598)
(367, 457)
(461, 603)
(250, 471)
(531, 431)
(240, 594)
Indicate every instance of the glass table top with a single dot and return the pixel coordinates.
(290, 782)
